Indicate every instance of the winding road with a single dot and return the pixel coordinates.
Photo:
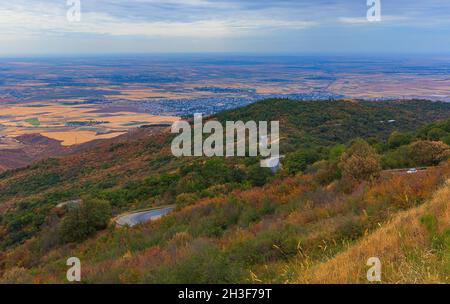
(135, 218)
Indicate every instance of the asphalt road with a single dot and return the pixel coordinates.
(132, 219)
(405, 171)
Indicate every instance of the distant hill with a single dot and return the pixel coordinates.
(327, 123)
(31, 148)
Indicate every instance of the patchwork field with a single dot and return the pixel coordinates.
(69, 123)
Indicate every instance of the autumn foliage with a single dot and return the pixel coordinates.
(360, 162)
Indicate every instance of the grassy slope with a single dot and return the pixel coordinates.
(284, 231)
(414, 247)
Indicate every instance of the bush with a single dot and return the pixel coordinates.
(80, 223)
(436, 134)
(428, 153)
(259, 176)
(185, 199)
(298, 161)
(446, 140)
(325, 171)
(336, 152)
(398, 139)
(398, 158)
(360, 162)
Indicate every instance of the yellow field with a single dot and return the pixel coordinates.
(70, 124)
(75, 137)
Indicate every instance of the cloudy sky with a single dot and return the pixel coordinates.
(255, 26)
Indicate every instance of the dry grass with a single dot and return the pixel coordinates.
(403, 245)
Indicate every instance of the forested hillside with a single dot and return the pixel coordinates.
(234, 221)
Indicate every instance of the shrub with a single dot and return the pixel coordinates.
(360, 162)
(428, 153)
(298, 161)
(325, 171)
(398, 158)
(398, 139)
(16, 275)
(80, 223)
(204, 263)
(259, 176)
(185, 199)
(446, 140)
(436, 134)
(336, 152)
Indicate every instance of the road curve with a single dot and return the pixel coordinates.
(135, 218)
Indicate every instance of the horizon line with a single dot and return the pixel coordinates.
(224, 53)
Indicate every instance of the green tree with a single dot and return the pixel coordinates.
(446, 140)
(298, 161)
(398, 158)
(398, 139)
(259, 176)
(436, 134)
(336, 152)
(80, 223)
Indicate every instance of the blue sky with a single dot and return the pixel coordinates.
(254, 26)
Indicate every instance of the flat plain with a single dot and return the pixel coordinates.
(79, 100)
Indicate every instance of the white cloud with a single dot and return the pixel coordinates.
(199, 25)
(42, 20)
(364, 20)
(352, 20)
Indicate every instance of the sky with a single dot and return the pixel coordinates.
(41, 27)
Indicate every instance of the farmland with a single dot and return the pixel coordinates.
(73, 101)
(71, 124)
